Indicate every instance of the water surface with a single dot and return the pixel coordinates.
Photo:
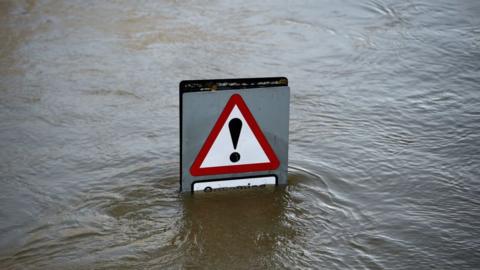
(384, 150)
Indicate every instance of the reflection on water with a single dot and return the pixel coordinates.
(384, 149)
(245, 227)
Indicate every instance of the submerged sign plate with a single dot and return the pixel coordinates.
(231, 129)
(244, 183)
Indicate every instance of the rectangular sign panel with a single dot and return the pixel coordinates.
(244, 183)
(233, 128)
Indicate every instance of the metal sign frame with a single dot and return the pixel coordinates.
(192, 86)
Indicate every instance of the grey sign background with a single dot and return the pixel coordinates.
(200, 111)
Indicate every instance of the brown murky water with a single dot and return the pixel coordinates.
(384, 151)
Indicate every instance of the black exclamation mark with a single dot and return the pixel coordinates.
(235, 126)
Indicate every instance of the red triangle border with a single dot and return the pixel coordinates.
(274, 163)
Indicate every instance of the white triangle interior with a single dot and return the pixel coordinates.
(249, 148)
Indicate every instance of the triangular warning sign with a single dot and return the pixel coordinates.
(236, 144)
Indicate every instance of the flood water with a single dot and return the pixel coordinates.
(384, 168)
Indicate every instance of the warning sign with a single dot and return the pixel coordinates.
(235, 145)
(233, 133)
